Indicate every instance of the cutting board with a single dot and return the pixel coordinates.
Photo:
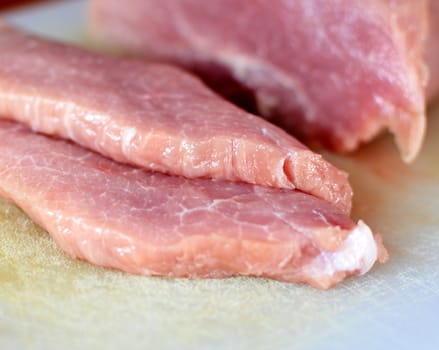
(49, 301)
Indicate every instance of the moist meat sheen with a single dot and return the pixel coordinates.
(150, 223)
(336, 72)
(155, 116)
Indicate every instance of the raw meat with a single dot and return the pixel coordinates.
(336, 72)
(149, 223)
(155, 116)
(433, 51)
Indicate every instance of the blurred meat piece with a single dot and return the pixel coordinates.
(336, 73)
(433, 51)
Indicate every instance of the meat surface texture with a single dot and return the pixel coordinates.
(336, 73)
(150, 223)
(155, 116)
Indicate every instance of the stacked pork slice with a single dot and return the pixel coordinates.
(164, 177)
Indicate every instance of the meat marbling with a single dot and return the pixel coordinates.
(334, 72)
(150, 223)
(153, 115)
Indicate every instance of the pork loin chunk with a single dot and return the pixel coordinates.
(336, 73)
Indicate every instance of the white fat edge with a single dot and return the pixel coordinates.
(255, 71)
(128, 135)
(358, 252)
(35, 121)
(69, 119)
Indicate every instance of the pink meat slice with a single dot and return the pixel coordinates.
(155, 116)
(336, 73)
(150, 223)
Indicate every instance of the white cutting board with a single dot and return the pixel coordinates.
(48, 301)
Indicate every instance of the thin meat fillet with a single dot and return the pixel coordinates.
(155, 116)
(336, 73)
(150, 223)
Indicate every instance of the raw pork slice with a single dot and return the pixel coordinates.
(154, 224)
(334, 72)
(155, 116)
